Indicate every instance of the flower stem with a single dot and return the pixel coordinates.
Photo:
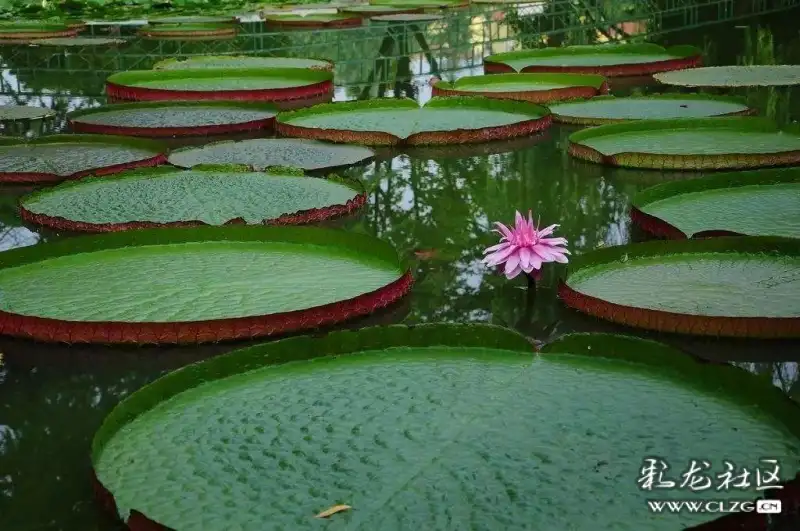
(531, 282)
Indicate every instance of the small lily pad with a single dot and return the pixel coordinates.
(79, 42)
(192, 19)
(24, 112)
(58, 157)
(313, 21)
(734, 76)
(610, 60)
(735, 286)
(168, 196)
(179, 31)
(399, 18)
(262, 153)
(754, 203)
(170, 119)
(689, 144)
(610, 109)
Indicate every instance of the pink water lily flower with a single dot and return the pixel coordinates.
(525, 248)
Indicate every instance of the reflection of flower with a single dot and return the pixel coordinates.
(525, 247)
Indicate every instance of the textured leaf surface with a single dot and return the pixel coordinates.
(403, 123)
(221, 83)
(426, 438)
(190, 281)
(600, 59)
(647, 108)
(708, 284)
(733, 76)
(66, 158)
(695, 141)
(22, 112)
(175, 116)
(211, 197)
(241, 62)
(265, 152)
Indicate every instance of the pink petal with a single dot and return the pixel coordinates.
(525, 255)
(502, 229)
(536, 262)
(518, 220)
(560, 258)
(500, 256)
(545, 252)
(513, 273)
(547, 231)
(512, 263)
(553, 241)
(498, 247)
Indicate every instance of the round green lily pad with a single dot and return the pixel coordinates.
(171, 119)
(734, 76)
(536, 88)
(241, 61)
(402, 121)
(399, 18)
(168, 196)
(79, 41)
(688, 144)
(11, 113)
(192, 19)
(31, 30)
(755, 203)
(413, 426)
(285, 87)
(58, 157)
(190, 285)
(735, 286)
(609, 109)
(261, 153)
(188, 31)
(610, 60)
(313, 20)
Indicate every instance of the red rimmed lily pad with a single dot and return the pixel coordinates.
(536, 88)
(755, 203)
(174, 119)
(287, 88)
(689, 144)
(242, 61)
(23, 31)
(376, 10)
(55, 158)
(407, 18)
(610, 109)
(313, 21)
(324, 416)
(734, 76)
(402, 121)
(610, 60)
(193, 19)
(734, 287)
(195, 285)
(189, 31)
(158, 197)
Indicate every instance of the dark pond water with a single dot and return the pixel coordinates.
(438, 201)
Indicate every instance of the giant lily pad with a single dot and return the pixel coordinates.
(285, 87)
(193, 19)
(313, 21)
(190, 285)
(34, 29)
(242, 61)
(536, 88)
(261, 153)
(610, 60)
(19, 120)
(402, 121)
(171, 119)
(58, 157)
(609, 109)
(755, 203)
(373, 10)
(688, 144)
(736, 286)
(161, 197)
(414, 426)
(73, 42)
(734, 76)
(189, 31)
(407, 18)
